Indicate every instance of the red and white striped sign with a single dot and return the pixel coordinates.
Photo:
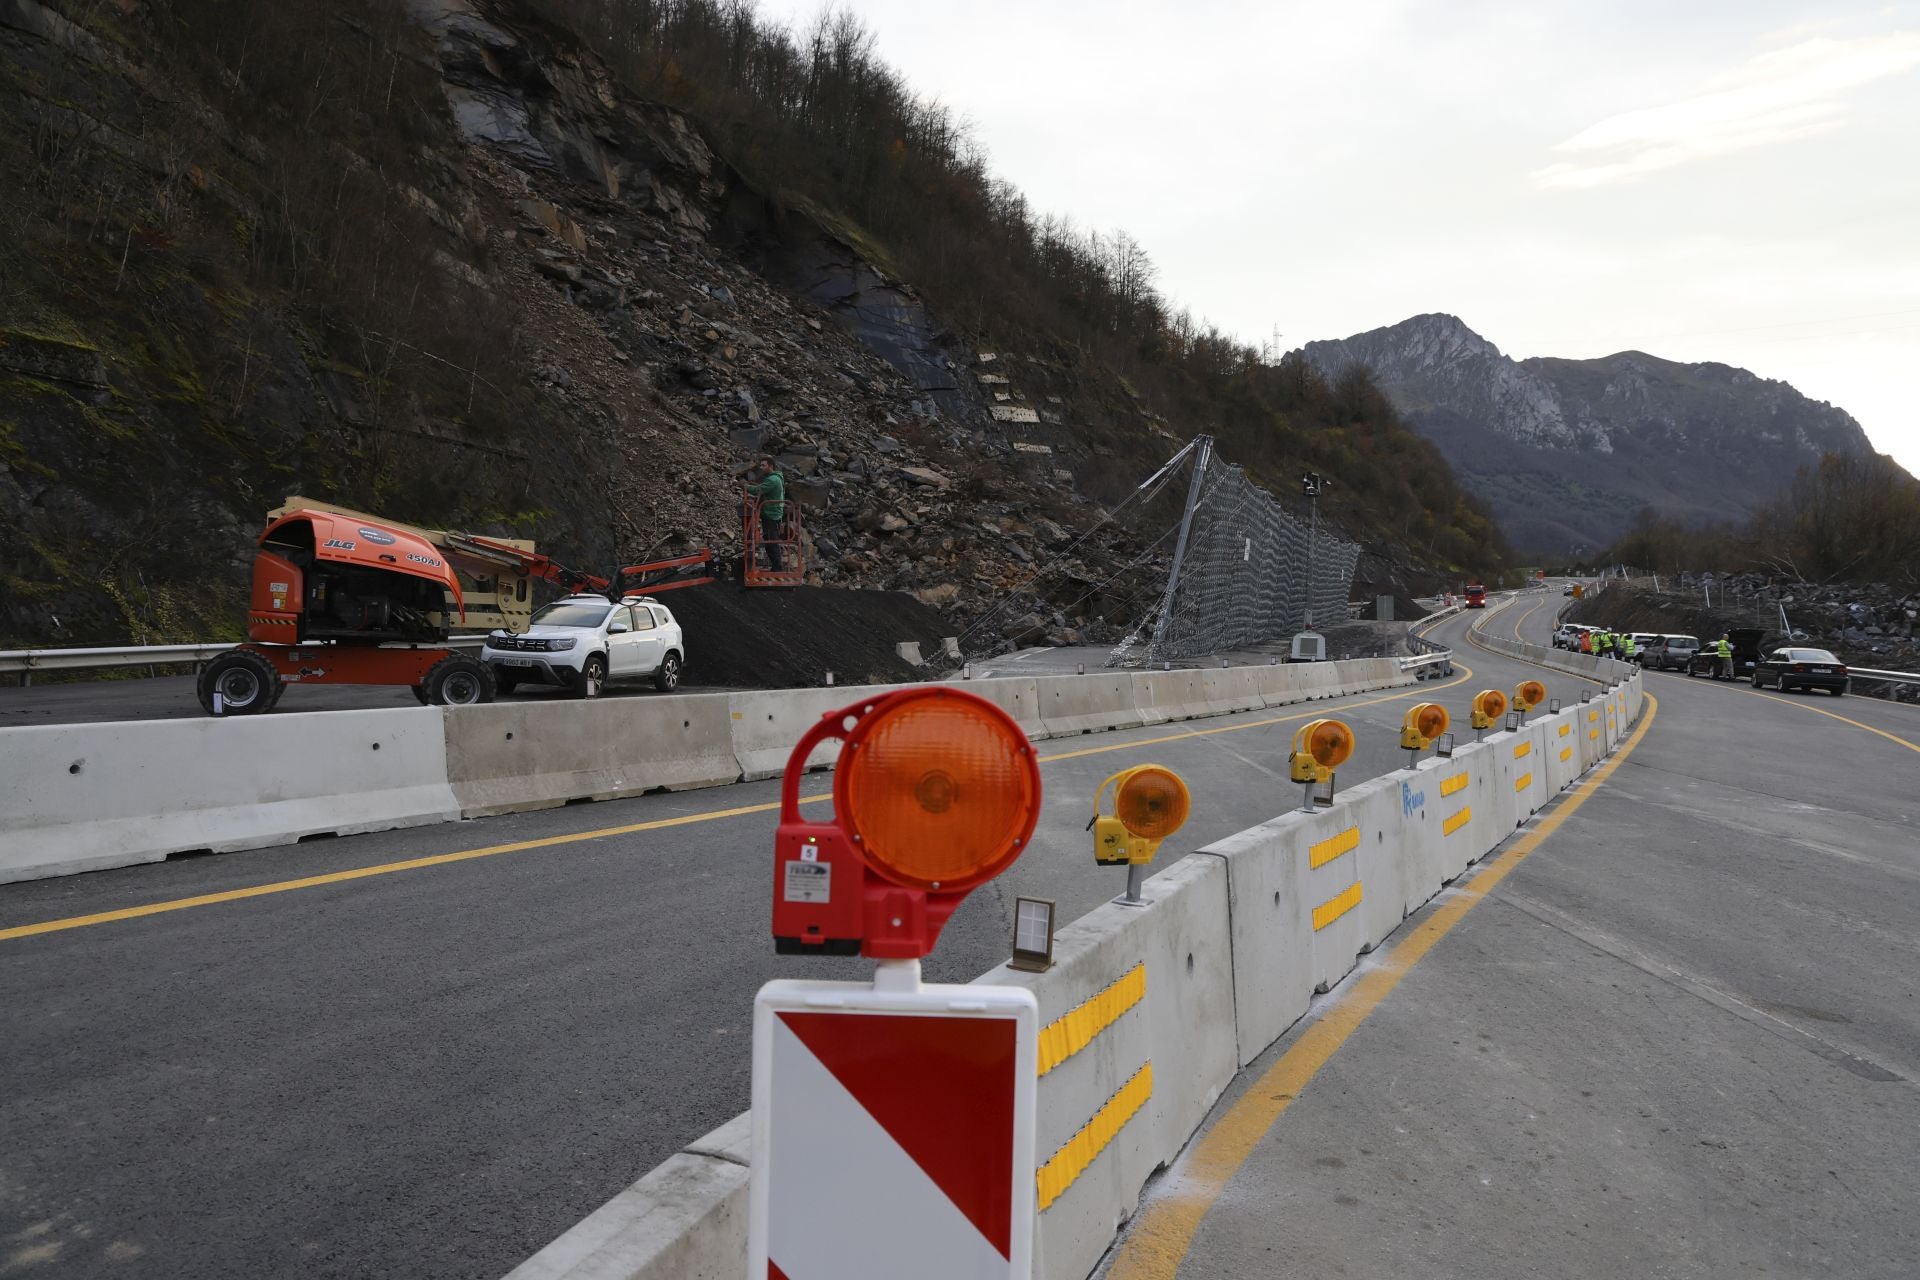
(893, 1132)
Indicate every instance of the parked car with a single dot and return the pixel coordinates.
(1745, 642)
(1786, 669)
(581, 643)
(1669, 653)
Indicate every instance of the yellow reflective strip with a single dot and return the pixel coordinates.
(1458, 782)
(1565, 729)
(1457, 821)
(1566, 753)
(1335, 907)
(1522, 782)
(1593, 715)
(1071, 1160)
(1075, 1029)
(1524, 749)
(1326, 851)
(1593, 733)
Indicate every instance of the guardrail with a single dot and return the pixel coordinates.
(1890, 677)
(1439, 662)
(27, 661)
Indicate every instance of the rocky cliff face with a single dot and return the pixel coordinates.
(548, 309)
(1568, 451)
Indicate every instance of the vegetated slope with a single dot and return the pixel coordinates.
(1568, 452)
(440, 261)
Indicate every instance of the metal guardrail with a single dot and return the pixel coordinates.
(1890, 677)
(27, 661)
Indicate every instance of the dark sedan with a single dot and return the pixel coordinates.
(1786, 669)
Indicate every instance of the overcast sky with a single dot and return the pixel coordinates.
(1733, 181)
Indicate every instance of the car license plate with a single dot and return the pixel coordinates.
(1823, 671)
(515, 662)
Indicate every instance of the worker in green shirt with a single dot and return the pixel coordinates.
(769, 490)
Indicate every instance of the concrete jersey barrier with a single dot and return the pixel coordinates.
(91, 796)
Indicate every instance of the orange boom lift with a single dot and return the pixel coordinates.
(340, 597)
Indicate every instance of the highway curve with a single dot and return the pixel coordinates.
(433, 1072)
(1678, 1036)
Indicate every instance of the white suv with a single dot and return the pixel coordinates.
(582, 642)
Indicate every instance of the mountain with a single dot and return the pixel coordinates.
(1567, 452)
(555, 269)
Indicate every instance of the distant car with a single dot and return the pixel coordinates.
(581, 643)
(1669, 653)
(1568, 591)
(1745, 642)
(1786, 669)
(1476, 595)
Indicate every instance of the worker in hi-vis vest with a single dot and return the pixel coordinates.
(1627, 648)
(1723, 655)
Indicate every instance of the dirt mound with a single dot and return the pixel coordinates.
(790, 637)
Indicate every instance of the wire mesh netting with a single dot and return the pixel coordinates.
(1251, 572)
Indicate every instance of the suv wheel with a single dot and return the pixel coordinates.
(667, 678)
(592, 680)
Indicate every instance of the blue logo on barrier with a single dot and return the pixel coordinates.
(1411, 801)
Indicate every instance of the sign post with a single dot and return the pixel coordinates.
(893, 1121)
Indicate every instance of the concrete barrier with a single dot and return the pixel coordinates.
(685, 1220)
(1272, 931)
(1162, 696)
(507, 757)
(1071, 705)
(1018, 696)
(1562, 748)
(84, 797)
(764, 725)
(1141, 1067)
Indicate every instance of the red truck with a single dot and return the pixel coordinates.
(1476, 595)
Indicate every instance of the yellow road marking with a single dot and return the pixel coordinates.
(1164, 1228)
(1523, 617)
(1071, 1160)
(1335, 907)
(601, 833)
(1075, 1029)
(1773, 697)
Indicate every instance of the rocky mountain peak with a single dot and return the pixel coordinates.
(1567, 452)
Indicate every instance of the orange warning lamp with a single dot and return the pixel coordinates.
(1424, 722)
(1150, 803)
(936, 792)
(1528, 695)
(1319, 747)
(1488, 706)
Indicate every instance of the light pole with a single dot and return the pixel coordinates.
(1311, 484)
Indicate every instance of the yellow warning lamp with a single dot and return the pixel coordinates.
(1424, 722)
(1488, 706)
(1528, 695)
(1319, 747)
(1150, 803)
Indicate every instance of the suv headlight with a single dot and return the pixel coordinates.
(561, 644)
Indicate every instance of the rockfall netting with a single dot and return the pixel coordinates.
(1251, 572)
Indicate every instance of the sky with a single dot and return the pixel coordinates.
(1702, 181)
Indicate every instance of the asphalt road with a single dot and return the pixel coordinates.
(1680, 1038)
(434, 1072)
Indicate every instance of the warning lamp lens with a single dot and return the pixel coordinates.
(1330, 744)
(1431, 719)
(942, 791)
(1531, 693)
(1151, 803)
(1492, 702)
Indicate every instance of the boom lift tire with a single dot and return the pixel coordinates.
(247, 684)
(458, 681)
